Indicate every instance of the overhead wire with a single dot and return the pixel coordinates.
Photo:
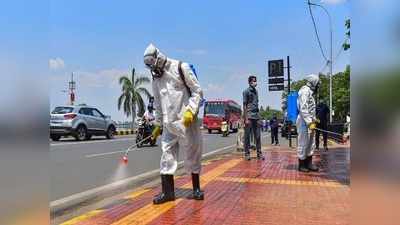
(325, 66)
(316, 32)
(341, 49)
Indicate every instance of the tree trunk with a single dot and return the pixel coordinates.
(133, 115)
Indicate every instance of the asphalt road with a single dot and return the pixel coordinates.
(72, 171)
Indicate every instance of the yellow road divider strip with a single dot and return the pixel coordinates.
(82, 217)
(281, 181)
(149, 212)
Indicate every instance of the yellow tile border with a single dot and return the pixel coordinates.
(149, 212)
(137, 193)
(282, 182)
(93, 213)
(82, 217)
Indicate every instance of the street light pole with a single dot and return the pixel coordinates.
(330, 60)
(290, 122)
(72, 86)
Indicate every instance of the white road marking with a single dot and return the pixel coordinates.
(123, 151)
(92, 142)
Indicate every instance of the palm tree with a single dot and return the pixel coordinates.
(132, 95)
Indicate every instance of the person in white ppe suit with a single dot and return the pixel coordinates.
(306, 123)
(177, 96)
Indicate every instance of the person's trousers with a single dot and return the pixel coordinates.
(191, 145)
(252, 127)
(274, 136)
(324, 136)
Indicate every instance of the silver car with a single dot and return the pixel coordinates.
(81, 122)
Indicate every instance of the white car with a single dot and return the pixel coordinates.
(80, 122)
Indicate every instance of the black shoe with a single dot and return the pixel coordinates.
(326, 148)
(197, 193)
(260, 156)
(168, 190)
(302, 167)
(247, 157)
(310, 166)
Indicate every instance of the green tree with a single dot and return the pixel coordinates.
(268, 113)
(341, 94)
(131, 99)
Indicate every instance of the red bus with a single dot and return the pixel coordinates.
(218, 110)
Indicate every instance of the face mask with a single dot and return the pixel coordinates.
(151, 62)
(157, 66)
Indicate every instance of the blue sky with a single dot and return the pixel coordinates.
(225, 40)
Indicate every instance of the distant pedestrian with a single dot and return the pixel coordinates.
(322, 112)
(274, 124)
(251, 117)
(264, 125)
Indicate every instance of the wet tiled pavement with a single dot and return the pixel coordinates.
(245, 192)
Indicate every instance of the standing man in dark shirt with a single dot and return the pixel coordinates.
(251, 118)
(322, 112)
(274, 131)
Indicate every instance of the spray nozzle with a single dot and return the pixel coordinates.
(125, 159)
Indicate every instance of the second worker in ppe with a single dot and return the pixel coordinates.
(306, 123)
(177, 96)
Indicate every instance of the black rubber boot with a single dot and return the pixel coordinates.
(168, 190)
(247, 157)
(302, 166)
(310, 166)
(260, 156)
(197, 193)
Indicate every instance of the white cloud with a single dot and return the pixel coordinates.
(333, 2)
(57, 63)
(213, 88)
(108, 78)
(102, 78)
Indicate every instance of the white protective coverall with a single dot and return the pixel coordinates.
(171, 100)
(306, 107)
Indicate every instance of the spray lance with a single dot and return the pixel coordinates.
(125, 156)
(330, 132)
(156, 132)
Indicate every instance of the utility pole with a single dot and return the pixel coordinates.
(290, 122)
(330, 73)
(72, 87)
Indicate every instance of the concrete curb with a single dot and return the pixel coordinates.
(93, 195)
